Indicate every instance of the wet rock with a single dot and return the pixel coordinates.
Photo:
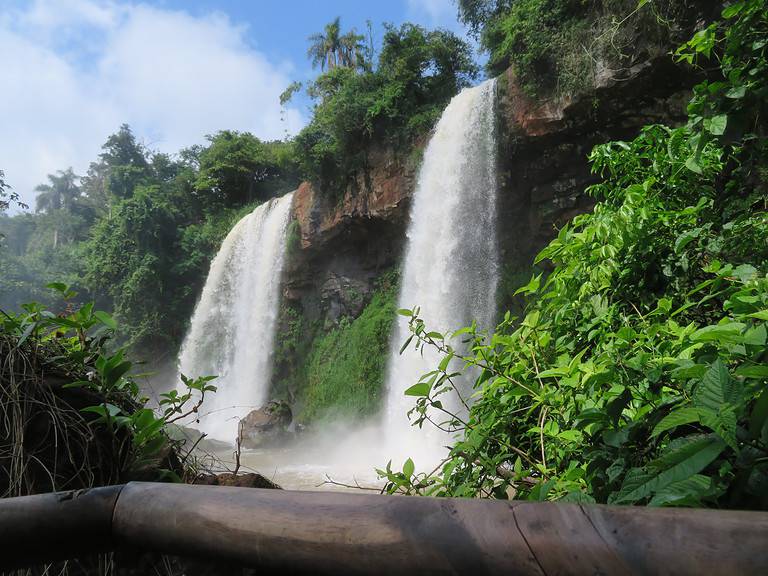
(250, 480)
(265, 425)
(343, 296)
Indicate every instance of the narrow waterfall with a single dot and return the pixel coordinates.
(451, 260)
(233, 326)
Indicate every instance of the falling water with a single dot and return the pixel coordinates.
(451, 260)
(233, 326)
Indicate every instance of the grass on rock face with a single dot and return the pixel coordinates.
(346, 366)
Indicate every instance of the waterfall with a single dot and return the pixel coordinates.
(451, 260)
(232, 330)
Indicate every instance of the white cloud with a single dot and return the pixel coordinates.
(74, 70)
(437, 12)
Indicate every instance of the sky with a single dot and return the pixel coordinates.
(175, 70)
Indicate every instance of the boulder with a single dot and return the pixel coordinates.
(343, 296)
(266, 424)
(249, 480)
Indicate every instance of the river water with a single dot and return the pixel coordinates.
(334, 459)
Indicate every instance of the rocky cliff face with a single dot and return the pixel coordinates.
(344, 242)
(341, 243)
(543, 150)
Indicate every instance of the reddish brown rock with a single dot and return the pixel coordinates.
(381, 193)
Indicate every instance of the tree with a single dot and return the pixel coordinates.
(418, 72)
(121, 149)
(431, 64)
(6, 196)
(237, 168)
(325, 46)
(59, 194)
(476, 14)
(123, 164)
(331, 49)
(352, 53)
(57, 198)
(130, 259)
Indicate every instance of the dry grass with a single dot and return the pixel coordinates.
(46, 442)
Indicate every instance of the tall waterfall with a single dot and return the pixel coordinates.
(233, 326)
(451, 260)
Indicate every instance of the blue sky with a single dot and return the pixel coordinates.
(74, 70)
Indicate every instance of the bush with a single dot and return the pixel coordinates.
(558, 47)
(73, 415)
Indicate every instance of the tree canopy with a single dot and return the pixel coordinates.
(391, 103)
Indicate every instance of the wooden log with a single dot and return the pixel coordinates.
(677, 541)
(56, 526)
(324, 532)
(342, 533)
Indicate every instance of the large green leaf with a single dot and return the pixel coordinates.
(105, 319)
(420, 389)
(685, 492)
(726, 333)
(682, 461)
(717, 124)
(717, 389)
(677, 418)
(724, 423)
(756, 371)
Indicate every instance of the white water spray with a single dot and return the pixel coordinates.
(451, 260)
(233, 327)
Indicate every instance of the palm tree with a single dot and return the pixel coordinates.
(351, 50)
(58, 196)
(325, 47)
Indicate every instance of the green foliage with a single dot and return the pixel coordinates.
(293, 238)
(638, 373)
(7, 197)
(512, 280)
(418, 72)
(150, 266)
(238, 168)
(732, 109)
(559, 46)
(45, 247)
(138, 232)
(75, 346)
(345, 366)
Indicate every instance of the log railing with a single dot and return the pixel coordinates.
(342, 533)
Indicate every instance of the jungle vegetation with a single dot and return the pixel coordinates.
(136, 234)
(637, 373)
